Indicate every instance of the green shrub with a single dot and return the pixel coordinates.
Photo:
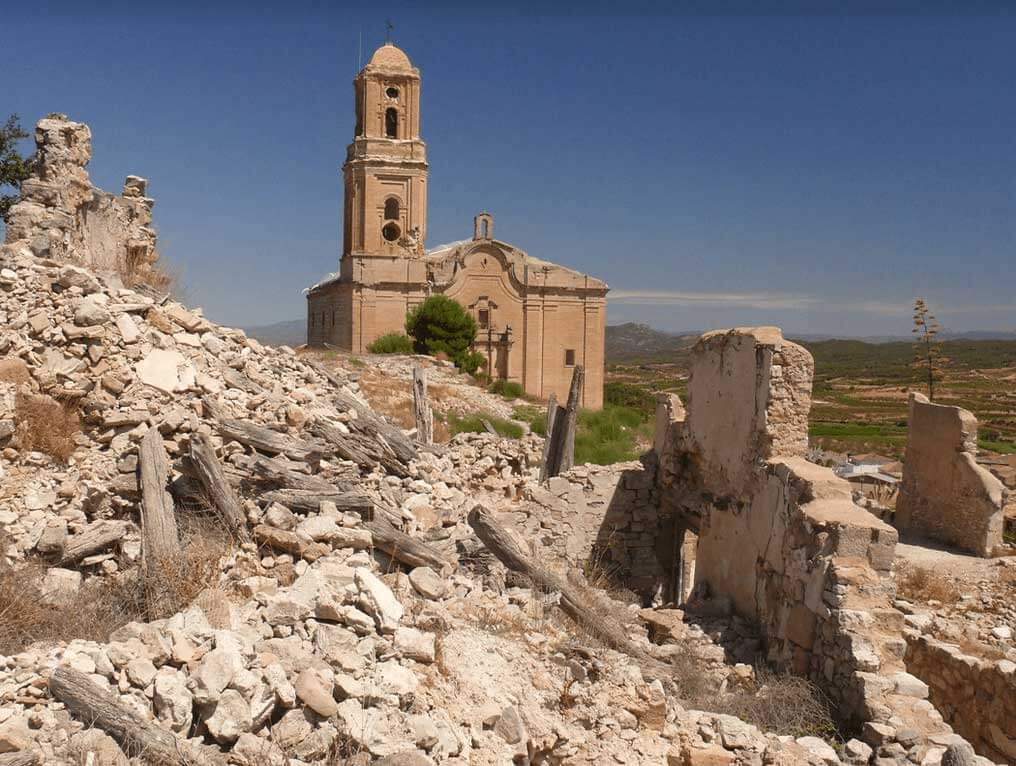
(440, 325)
(609, 435)
(535, 416)
(509, 389)
(392, 343)
(602, 437)
(630, 395)
(473, 424)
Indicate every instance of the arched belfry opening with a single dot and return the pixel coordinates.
(391, 209)
(483, 226)
(391, 122)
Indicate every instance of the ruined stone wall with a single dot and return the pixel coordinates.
(748, 399)
(605, 521)
(975, 695)
(62, 216)
(780, 539)
(945, 494)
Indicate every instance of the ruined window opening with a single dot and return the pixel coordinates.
(392, 93)
(391, 209)
(392, 122)
(391, 232)
(484, 318)
(486, 229)
(333, 317)
(569, 357)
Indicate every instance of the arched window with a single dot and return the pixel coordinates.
(392, 122)
(391, 209)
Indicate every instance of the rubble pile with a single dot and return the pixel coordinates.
(353, 615)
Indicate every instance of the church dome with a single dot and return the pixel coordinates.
(389, 56)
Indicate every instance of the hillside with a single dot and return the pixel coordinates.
(632, 342)
(292, 332)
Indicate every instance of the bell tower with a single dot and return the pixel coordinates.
(385, 173)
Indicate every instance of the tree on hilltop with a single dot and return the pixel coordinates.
(14, 168)
(440, 325)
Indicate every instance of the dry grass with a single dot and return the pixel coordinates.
(921, 584)
(105, 604)
(45, 425)
(782, 704)
(138, 270)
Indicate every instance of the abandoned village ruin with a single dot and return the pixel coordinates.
(536, 320)
(357, 595)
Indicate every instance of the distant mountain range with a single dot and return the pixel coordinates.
(292, 332)
(630, 342)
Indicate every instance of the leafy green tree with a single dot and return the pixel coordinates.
(928, 359)
(13, 167)
(440, 325)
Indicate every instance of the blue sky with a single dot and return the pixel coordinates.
(815, 166)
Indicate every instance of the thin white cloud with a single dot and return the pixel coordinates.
(900, 308)
(686, 298)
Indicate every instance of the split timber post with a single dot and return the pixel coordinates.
(559, 447)
(422, 412)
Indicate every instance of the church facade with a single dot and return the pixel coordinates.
(536, 320)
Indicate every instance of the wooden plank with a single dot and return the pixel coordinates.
(159, 538)
(309, 500)
(95, 537)
(216, 486)
(577, 602)
(548, 440)
(404, 548)
(277, 472)
(260, 438)
(422, 413)
(572, 418)
(87, 702)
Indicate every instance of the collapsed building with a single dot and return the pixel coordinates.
(726, 515)
(333, 643)
(61, 215)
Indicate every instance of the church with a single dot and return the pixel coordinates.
(536, 320)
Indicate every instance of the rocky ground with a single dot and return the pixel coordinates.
(306, 643)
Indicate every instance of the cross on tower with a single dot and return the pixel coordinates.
(388, 30)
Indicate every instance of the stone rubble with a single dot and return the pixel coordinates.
(312, 644)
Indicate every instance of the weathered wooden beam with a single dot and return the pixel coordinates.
(422, 413)
(89, 703)
(309, 500)
(96, 537)
(404, 548)
(277, 472)
(216, 486)
(548, 440)
(559, 450)
(576, 603)
(572, 418)
(369, 423)
(159, 537)
(261, 438)
(365, 450)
